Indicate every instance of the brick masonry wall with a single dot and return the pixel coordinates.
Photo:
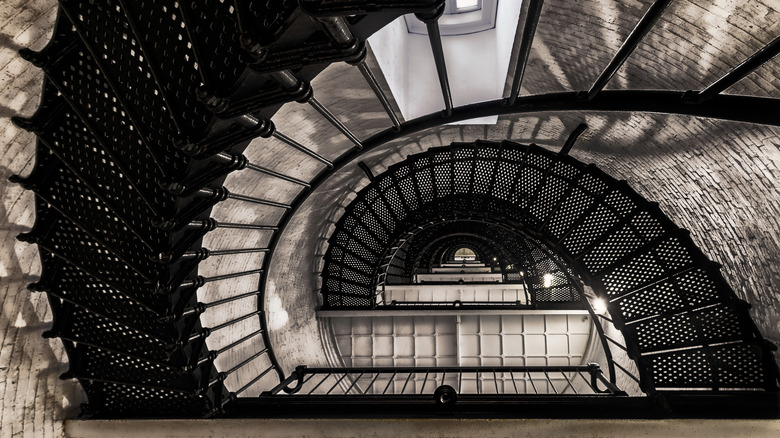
(33, 401)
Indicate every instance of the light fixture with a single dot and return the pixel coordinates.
(463, 5)
(599, 306)
(547, 280)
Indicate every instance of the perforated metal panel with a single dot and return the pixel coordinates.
(666, 294)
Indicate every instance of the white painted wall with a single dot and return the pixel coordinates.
(476, 64)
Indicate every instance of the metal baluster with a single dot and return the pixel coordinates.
(407, 382)
(371, 383)
(526, 41)
(389, 383)
(354, 382)
(425, 380)
(290, 82)
(337, 383)
(318, 385)
(747, 66)
(531, 379)
(642, 28)
(547, 376)
(569, 384)
(253, 381)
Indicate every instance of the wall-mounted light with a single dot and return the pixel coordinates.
(599, 306)
(547, 280)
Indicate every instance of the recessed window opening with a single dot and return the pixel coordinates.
(465, 255)
(461, 17)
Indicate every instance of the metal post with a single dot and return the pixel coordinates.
(226, 158)
(374, 84)
(642, 28)
(226, 194)
(743, 69)
(290, 82)
(572, 139)
(204, 253)
(278, 135)
(434, 36)
(335, 122)
(529, 30)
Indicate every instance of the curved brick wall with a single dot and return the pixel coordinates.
(33, 400)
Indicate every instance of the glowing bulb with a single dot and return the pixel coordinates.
(599, 306)
(547, 280)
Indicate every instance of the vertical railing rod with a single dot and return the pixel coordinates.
(238, 342)
(569, 383)
(204, 280)
(247, 226)
(479, 384)
(224, 193)
(321, 381)
(605, 317)
(237, 366)
(547, 376)
(374, 84)
(306, 380)
(335, 122)
(616, 343)
(255, 380)
(425, 380)
(588, 382)
(225, 158)
(371, 383)
(339, 30)
(259, 201)
(231, 275)
(434, 36)
(220, 252)
(512, 375)
(235, 321)
(644, 25)
(201, 307)
(390, 382)
(533, 385)
(288, 81)
(526, 41)
(739, 72)
(611, 387)
(575, 134)
(628, 373)
(274, 174)
(407, 382)
(354, 382)
(495, 380)
(289, 141)
(294, 376)
(337, 383)
(230, 299)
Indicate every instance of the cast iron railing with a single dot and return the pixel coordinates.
(387, 381)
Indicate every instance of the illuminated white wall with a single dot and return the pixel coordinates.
(476, 64)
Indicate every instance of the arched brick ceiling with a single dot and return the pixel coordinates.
(719, 179)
